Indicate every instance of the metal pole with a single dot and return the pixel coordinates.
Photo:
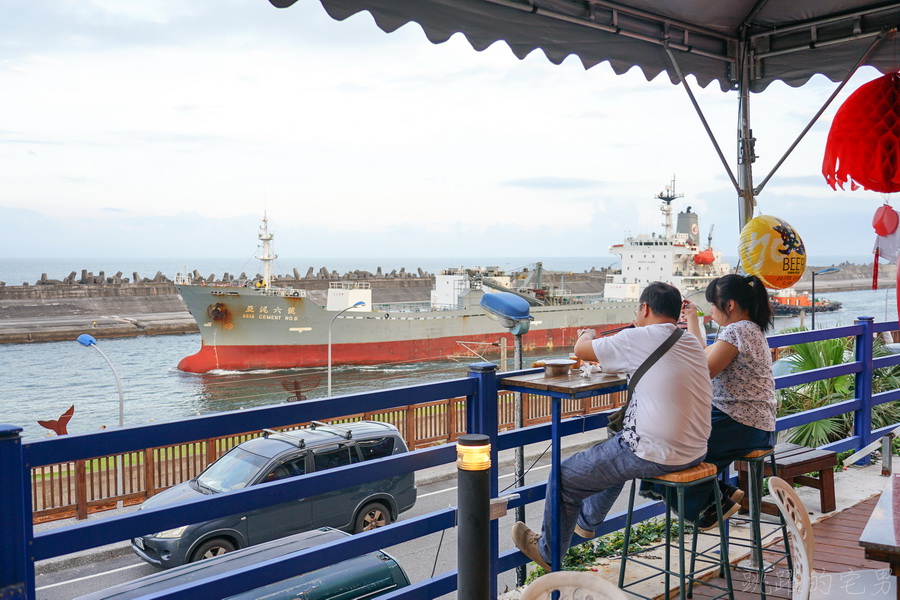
(813, 291)
(746, 141)
(16, 568)
(473, 464)
(521, 570)
(481, 417)
(120, 487)
(862, 419)
(118, 385)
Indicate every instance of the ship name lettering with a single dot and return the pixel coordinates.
(246, 316)
(271, 317)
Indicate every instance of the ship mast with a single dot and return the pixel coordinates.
(667, 196)
(267, 255)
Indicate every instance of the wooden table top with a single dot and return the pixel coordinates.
(572, 384)
(882, 532)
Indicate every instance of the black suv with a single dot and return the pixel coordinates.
(276, 456)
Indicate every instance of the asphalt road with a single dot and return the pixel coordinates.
(419, 558)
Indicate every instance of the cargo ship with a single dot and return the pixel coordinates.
(250, 325)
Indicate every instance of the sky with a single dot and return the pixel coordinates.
(164, 128)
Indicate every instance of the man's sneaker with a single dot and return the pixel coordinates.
(708, 518)
(527, 542)
(585, 533)
(729, 491)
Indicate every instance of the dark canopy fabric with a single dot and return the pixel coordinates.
(787, 40)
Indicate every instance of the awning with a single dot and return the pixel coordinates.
(787, 40)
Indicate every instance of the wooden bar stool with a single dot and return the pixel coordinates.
(756, 462)
(704, 473)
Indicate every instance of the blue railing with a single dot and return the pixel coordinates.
(21, 546)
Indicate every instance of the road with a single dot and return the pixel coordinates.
(419, 558)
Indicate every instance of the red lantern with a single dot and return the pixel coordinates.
(863, 145)
(885, 220)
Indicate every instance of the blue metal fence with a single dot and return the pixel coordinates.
(22, 546)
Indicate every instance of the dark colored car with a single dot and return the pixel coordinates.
(364, 576)
(276, 456)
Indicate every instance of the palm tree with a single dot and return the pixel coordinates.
(826, 353)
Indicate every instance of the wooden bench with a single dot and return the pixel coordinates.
(794, 463)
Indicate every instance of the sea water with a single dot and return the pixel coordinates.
(42, 380)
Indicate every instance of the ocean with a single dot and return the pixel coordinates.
(43, 380)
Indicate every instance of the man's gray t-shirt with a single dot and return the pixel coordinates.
(668, 420)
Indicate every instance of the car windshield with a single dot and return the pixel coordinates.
(233, 471)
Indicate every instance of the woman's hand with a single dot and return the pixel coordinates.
(592, 333)
(689, 311)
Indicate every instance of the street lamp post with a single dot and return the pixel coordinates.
(513, 313)
(813, 290)
(339, 313)
(89, 341)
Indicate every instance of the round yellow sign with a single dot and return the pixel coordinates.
(772, 250)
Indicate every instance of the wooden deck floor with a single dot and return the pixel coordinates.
(837, 551)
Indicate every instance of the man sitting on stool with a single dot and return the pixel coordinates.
(666, 426)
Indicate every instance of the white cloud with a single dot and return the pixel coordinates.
(208, 112)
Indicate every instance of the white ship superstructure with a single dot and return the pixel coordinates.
(674, 257)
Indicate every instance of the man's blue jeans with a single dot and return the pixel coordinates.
(591, 482)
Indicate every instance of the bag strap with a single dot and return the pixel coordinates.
(651, 360)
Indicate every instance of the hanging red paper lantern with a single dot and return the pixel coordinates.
(885, 220)
(863, 145)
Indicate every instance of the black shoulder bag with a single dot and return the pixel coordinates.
(617, 419)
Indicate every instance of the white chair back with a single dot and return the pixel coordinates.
(800, 528)
(573, 585)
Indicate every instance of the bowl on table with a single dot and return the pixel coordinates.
(558, 366)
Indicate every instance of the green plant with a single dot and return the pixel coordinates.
(583, 556)
(826, 353)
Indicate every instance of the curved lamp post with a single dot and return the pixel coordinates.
(89, 341)
(512, 312)
(339, 313)
(813, 290)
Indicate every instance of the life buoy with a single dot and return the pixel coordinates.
(295, 294)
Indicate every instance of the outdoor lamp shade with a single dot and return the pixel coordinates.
(863, 146)
(86, 340)
(509, 309)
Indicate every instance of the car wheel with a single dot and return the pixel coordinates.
(371, 517)
(212, 548)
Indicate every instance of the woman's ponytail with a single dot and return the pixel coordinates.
(760, 309)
